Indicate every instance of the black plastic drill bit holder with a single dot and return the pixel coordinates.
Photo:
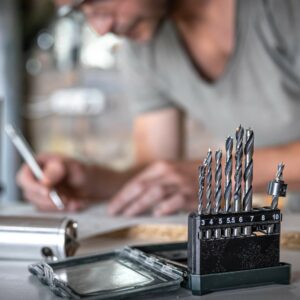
(236, 261)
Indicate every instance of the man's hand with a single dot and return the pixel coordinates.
(66, 175)
(162, 188)
(78, 184)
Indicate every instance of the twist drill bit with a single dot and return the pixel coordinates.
(248, 175)
(238, 174)
(238, 168)
(279, 174)
(208, 187)
(208, 181)
(201, 187)
(228, 182)
(228, 174)
(218, 187)
(218, 181)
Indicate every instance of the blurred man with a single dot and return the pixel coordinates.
(225, 62)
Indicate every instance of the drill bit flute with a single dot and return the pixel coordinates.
(208, 181)
(200, 192)
(248, 175)
(228, 181)
(208, 187)
(238, 173)
(228, 174)
(218, 181)
(218, 187)
(279, 174)
(201, 188)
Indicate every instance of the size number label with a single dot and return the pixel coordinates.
(240, 219)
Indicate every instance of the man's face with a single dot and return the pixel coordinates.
(134, 19)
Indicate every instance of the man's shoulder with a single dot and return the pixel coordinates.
(152, 53)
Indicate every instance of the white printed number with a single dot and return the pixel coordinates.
(230, 220)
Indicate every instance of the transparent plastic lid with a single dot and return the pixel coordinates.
(126, 272)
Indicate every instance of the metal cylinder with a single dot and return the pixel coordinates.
(32, 238)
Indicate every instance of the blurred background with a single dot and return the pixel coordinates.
(60, 85)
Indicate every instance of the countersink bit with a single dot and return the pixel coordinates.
(201, 188)
(208, 181)
(228, 174)
(279, 174)
(277, 188)
(218, 181)
(238, 174)
(248, 175)
(228, 180)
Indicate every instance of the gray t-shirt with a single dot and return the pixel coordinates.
(260, 87)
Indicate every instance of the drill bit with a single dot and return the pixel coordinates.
(248, 175)
(238, 168)
(278, 178)
(228, 182)
(218, 187)
(218, 181)
(201, 187)
(208, 188)
(277, 188)
(208, 181)
(228, 174)
(238, 174)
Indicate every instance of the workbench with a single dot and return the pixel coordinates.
(17, 284)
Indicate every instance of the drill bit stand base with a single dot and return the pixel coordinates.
(243, 245)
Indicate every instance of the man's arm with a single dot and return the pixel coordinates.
(159, 135)
(266, 161)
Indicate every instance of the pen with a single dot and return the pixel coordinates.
(26, 152)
